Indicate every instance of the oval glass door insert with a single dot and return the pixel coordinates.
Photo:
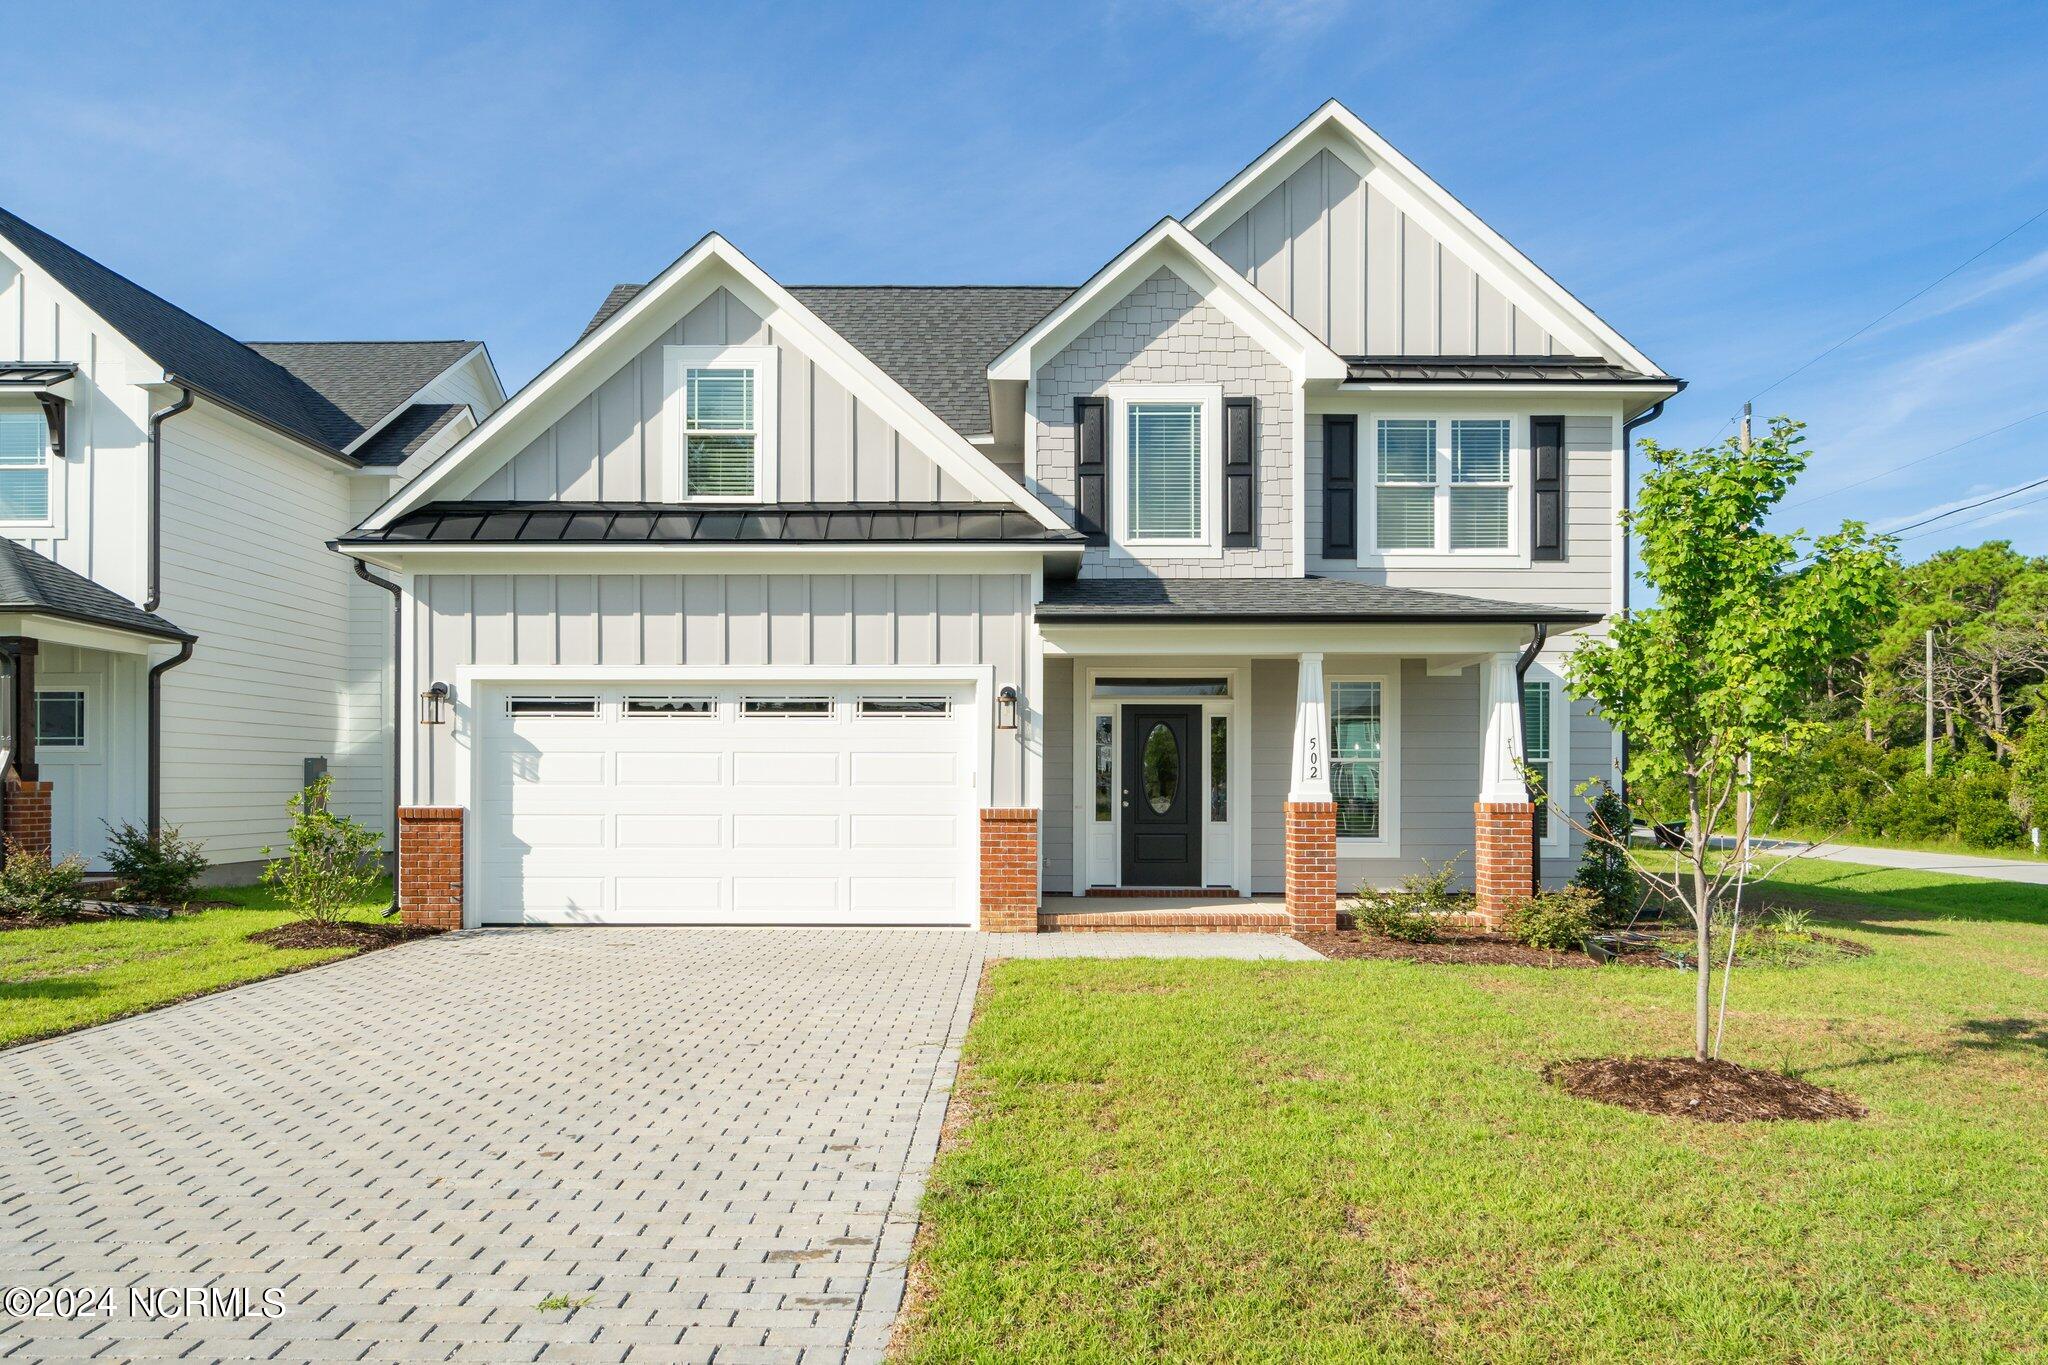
(1162, 769)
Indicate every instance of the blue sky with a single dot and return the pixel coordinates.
(1735, 187)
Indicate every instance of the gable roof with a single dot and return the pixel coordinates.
(322, 393)
(29, 582)
(934, 340)
(407, 433)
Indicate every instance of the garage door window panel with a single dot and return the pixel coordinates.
(665, 708)
(906, 707)
(787, 707)
(561, 707)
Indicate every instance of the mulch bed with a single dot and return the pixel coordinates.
(1469, 947)
(1711, 1092)
(305, 933)
(11, 922)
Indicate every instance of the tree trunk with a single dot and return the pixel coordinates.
(1696, 842)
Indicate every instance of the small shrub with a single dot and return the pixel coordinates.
(33, 887)
(162, 868)
(1557, 920)
(1411, 912)
(1604, 870)
(331, 862)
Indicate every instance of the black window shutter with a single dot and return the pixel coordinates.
(1240, 472)
(1091, 469)
(1546, 488)
(1340, 488)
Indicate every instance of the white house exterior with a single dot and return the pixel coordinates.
(167, 496)
(1238, 573)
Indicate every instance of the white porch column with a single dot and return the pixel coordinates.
(1310, 780)
(1500, 754)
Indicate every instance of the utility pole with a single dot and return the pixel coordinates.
(1929, 690)
(1742, 802)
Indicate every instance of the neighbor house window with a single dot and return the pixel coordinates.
(1536, 749)
(1357, 758)
(60, 719)
(1105, 770)
(719, 433)
(1441, 485)
(1219, 769)
(24, 465)
(1164, 471)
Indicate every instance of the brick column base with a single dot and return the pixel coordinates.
(1312, 866)
(1503, 867)
(1009, 870)
(26, 814)
(430, 866)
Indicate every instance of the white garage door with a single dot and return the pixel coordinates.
(726, 805)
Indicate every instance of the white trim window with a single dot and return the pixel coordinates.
(25, 467)
(1358, 757)
(61, 719)
(1546, 733)
(1166, 467)
(1445, 485)
(722, 403)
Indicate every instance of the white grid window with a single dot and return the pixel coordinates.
(1357, 758)
(60, 719)
(1480, 471)
(1443, 485)
(720, 437)
(24, 465)
(1536, 746)
(1405, 501)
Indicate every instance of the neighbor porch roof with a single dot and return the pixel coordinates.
(32, 585)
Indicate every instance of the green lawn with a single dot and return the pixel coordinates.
(1358, 1160)
(71, 975)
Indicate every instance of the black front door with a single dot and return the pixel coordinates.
(1162, 771)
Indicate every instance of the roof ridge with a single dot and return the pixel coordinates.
(376, 341)
(1048, 287)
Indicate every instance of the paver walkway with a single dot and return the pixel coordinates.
(712, 1141)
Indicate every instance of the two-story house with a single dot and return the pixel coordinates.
(178, 644)
(1237, 575)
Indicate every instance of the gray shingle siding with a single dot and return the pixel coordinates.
(1162, 333)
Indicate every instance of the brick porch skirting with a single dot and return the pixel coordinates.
(1312, 866)
(25, 814)
(430, 866)
(1503, 861)
(1009, 870)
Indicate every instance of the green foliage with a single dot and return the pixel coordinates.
(330, 861)
(161, 869)
(1558, 920)
(1604, 869)
(33, 887)
(1412, 912)
(2028, 794)
(1847, 787)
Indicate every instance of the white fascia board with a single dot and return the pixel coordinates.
(1170, 244)
(1533, 387)
(722, 558)
(59, 630)
(1331, 126)
(386, 420)
(711, 263)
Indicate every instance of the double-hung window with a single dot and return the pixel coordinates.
(1443, 484)
(1164, 474)
(724, 408)
(1536, 749)
(24, 465)
(1357, 757)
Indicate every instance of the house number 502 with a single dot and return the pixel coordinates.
(1315, 758)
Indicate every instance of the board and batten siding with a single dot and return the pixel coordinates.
(616, 445)
(712, 619)
(1366, 277)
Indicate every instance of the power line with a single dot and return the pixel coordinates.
(1924, 289)
(1883, 473)
(1971, 521)
(1968, 506)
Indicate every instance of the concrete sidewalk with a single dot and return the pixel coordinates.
(1956, 864)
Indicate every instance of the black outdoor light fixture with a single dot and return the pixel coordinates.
(434, 705)
(1006, 709)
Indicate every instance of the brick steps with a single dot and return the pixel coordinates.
(1156, 892)
(1195, 920)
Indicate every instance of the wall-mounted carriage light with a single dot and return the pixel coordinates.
(1006, 709)
(434, 705)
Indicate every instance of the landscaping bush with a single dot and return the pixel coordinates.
(1557, 920)
(1410, 913)
(33, 887)
(1604, 869)
(331, 861)
(162, 868)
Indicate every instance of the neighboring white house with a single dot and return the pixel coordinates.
(165, 488)
(1243, 569)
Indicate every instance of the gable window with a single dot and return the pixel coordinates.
(1443, 485)
(1165, 475)
(24, 465)
(722, 399)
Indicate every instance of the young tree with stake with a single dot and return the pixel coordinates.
(1745, 625)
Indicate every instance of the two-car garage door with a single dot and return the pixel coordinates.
(725, 805)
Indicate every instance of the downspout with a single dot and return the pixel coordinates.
(397, 707)
(156, 734)
(1628, 445)
(155, 590)
(1538, 633)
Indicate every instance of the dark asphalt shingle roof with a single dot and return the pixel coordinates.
(1279, 599)
(934, 340)
(322, 392)
(406, 433)
(1486, 369)
(639, 523)
(31, 583)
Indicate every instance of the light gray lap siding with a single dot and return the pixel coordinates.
(685, 620)
(1056, 849)
(1163, 333)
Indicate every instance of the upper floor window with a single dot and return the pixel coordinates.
(24, 465)
(1443, 484)
(1165, 477)
(724, 404)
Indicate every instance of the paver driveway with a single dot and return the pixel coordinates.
(712, 1140)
